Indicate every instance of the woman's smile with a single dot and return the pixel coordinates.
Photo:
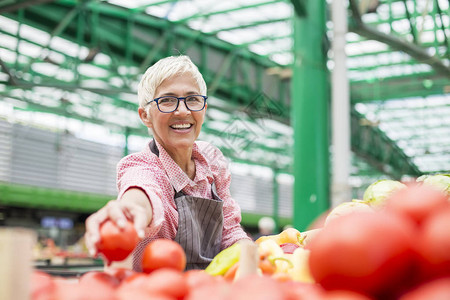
(181, 126)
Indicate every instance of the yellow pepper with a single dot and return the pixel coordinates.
(224, 260)
(300, 270)
(289, 235)
(269, 249)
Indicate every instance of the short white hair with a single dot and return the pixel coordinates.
(166, 68)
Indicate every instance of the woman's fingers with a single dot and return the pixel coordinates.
(116, 212)
(140, 220)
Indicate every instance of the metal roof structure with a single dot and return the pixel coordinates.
(82, 60)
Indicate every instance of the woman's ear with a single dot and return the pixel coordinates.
(145, 117)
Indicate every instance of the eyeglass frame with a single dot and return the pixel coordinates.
(178, 103)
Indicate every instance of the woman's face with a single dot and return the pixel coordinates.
(179, 129)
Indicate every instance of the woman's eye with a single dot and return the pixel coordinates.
(167, 100)
(194, 99)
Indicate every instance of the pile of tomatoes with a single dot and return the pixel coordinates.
(163, 278)
(401, 251)
(162, 274)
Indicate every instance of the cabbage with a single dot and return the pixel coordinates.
(347, 208)
(378, 192)
(439, 181)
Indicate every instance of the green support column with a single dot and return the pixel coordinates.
(310, 115)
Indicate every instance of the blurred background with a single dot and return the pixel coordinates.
(311, 101)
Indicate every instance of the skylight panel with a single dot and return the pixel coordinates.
(29, 49)
(7, 55)
(116, 81)
(283, 59)
(65, 46)
(55, 57)
(9, 25)
(237, 37)
(368, 46)
(270, 46)
(217, 114)
(34, 35)
(276, 10)
(401, 25)
(45, 69)
(65, 75)
(181, 9)
(159, 11)
(131, 3)
(92, 71)
(102, 59)
(94, 83)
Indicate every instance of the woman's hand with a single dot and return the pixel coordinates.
(133, 206)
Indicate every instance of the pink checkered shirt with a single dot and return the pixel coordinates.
(159, 176)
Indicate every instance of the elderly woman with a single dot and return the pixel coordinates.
(177, 187)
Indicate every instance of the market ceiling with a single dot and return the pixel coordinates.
(83, 59)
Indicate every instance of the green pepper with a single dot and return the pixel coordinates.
(224, 260)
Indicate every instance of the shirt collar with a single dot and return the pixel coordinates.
(176, 175)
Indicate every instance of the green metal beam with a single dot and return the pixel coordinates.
(398, 87)
(265, 39)
(249, 25)
(310, 116)
(17, 5)
(144, 7)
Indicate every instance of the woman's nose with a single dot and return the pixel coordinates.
(182, 108)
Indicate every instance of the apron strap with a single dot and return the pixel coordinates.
(153, 147)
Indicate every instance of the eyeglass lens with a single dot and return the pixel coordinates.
(169, 104)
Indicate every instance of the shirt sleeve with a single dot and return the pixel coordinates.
(232, 230)
(138, 171)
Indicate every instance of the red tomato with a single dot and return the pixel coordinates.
(257, 287)
(370, 253)
(67, 289)
(120, 273)
(167, 282)
(97, 285)
(217, 290)
(434, 244)
(42, 286)
(98, 278)
(438, 289)
(163, 253)
(295, 290)
(136, 281)
(196, 278)
(115, 243)
(344, 295)
(417, 202)
(140, 294)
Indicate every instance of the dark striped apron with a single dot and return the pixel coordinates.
(200, 223)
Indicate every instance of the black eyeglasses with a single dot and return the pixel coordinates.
(168, 104)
